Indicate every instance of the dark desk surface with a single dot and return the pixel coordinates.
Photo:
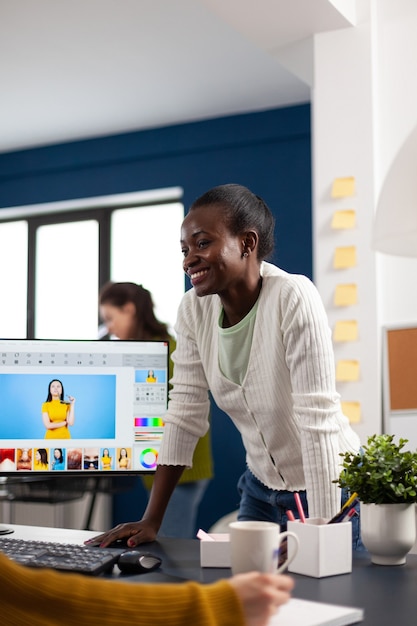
(387, 593)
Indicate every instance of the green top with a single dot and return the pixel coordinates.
(202, 460)
(235, 345)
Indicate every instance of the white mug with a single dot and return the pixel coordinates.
(254, 546)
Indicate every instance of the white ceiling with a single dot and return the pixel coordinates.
(74, 69)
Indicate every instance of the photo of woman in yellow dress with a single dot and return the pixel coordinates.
(41, 459)
(106, 460)
(57, 414)
(151, 378)
(124, 460)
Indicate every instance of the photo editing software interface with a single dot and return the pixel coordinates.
(81, 406)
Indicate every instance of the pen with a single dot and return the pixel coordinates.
(299, 507)
(349, 515)
(290, 516)
(343, 512)
(346, 517)
(349, 501)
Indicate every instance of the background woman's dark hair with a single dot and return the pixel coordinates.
(147, 324)
(60, 458)
(244, 211)
(62, 396)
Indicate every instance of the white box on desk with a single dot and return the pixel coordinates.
(325, 549)
(215, 550)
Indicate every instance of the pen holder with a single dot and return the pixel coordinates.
(324, 549)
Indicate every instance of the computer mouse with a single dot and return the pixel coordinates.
(135, 562)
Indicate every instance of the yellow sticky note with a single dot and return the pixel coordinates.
(347, 371)
(346, 294)
(344, 219)
(343, 187)
(352, 410)
(346, 330)
(344, 257)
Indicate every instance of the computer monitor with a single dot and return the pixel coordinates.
(81, 407)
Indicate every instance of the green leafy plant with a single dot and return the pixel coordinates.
(382, 472)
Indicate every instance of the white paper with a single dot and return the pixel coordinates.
(307, 613)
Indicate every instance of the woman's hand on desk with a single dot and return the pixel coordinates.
(133, 533)
(261, 595)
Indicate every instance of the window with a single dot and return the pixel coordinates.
(59, 254)
(66, 280)
(153, 261)
(13, 278)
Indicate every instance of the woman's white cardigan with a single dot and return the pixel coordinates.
(287, 409)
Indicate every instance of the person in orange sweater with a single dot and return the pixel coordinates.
(46, 598)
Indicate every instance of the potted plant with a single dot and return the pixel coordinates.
(384, 476)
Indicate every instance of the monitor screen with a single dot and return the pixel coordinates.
(73, 407)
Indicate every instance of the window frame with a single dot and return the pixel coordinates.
(98, 208)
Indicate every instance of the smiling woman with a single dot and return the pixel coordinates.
(258, 339)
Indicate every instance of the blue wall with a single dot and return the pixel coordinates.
(270, 152)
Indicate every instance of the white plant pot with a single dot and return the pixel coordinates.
(388, 531)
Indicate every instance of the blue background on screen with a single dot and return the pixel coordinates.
(22, 396)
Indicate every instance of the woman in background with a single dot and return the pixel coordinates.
(127, 310)
(57, 414)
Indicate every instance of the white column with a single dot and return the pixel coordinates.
(364, 106)
(343, 146)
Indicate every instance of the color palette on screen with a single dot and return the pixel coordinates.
(150, 422)
(148, 458)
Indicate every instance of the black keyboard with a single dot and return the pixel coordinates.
(61, 556)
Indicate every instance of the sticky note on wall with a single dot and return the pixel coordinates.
(343, 187)
(344, 257)
(352, 410)
(346, 294)
(347, 371)
(344, 219)
(345, 330)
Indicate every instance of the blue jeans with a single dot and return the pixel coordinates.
(258, 502)
(181, 514)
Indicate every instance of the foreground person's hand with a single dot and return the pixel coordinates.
(261, 595)
(134, 532)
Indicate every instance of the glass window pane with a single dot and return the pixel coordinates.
(13, 279)
(145, 249)
(67, 280)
